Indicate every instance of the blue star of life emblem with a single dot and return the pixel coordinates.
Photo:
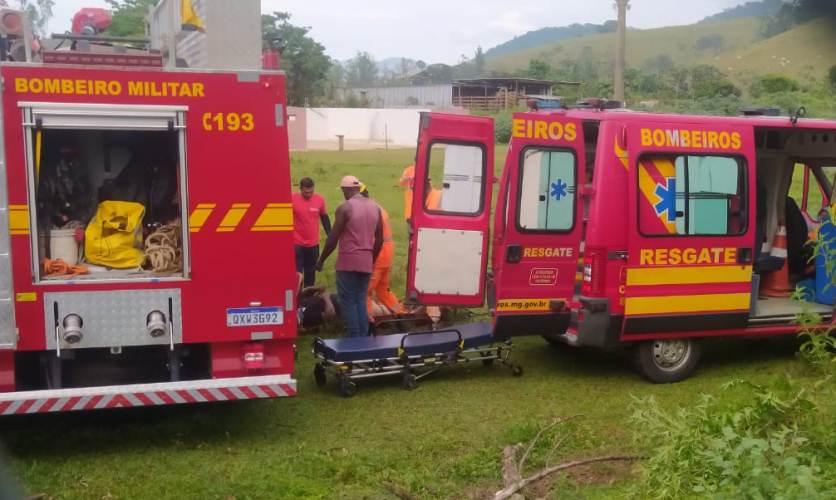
(559, 190)
(667, 199)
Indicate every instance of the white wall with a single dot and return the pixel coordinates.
(363, 125)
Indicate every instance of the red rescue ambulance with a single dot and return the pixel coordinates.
(622, 229)
(207, 312)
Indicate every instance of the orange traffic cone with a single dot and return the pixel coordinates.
(777, 283)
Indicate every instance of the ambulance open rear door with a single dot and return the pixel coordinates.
(448, 245)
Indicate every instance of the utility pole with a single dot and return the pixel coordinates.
(620, 52)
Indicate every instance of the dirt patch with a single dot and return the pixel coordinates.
(602, 473)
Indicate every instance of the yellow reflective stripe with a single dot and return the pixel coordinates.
(18, 219)
(665, 166)
(688, 275)
(622, 156)
(674, 304)
(199, 216)
(233, 217)
(275, 217)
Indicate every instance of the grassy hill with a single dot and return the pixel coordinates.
(733, 46)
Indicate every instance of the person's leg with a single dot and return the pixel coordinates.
(384, 293)
(362, 291)
(346, 293)
(373, 281)
(311, 255)
(300, 266)
(299, 253)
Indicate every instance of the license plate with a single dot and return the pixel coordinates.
(254, 316)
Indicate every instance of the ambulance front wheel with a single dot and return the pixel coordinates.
(667, 361)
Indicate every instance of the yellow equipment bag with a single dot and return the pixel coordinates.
(113, 237)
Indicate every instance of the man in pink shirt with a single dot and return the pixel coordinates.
(359, 231)
(308, 212)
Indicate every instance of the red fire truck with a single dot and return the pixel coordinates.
(199, 305)
(622, 229)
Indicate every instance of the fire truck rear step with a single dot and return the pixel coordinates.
(136, 395)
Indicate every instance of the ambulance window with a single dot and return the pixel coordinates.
(455, 175)
(691, 195)
(547, 190)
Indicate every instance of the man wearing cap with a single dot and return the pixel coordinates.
(359, 231)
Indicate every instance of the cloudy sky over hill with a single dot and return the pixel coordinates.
(443, 30)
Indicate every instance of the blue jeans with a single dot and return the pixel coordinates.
(352, 288)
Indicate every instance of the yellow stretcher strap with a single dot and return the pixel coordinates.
(38, 142)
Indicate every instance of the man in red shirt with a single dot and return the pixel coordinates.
(308, 212)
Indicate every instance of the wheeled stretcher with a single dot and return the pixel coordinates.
(412, 356)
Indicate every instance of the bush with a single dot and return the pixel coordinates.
(502, 127)
(710, 42)
(755, 450)
(773, 84)
(832, 76)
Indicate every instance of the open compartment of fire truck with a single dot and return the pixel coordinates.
(108, 188)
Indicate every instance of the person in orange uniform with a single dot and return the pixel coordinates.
(407, 182)
(379, 282)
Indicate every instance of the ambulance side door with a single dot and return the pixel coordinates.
(451, 205)
(691, 233)
(535, 262)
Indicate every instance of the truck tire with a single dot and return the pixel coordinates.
(667, 361)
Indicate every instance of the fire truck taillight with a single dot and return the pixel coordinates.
(253, 356)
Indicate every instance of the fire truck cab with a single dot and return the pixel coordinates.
(616, 229)
(145, 233)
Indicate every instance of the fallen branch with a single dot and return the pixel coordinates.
(558, 420)
(514, 488)
(510, 472)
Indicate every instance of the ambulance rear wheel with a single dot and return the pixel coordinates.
(667, 361)
(319, 375)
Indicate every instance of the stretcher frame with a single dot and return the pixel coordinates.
(411, 367)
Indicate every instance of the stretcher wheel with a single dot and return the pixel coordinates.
(347, 388)
(409, 381)
(517, 371)
(319, 375)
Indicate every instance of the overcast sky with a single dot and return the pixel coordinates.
(443, 30)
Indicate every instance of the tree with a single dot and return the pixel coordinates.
(708, 81)
(38, 12)
(479, 61)
(303, 58)
(129, 17)
(361, 71)
(434, 73)
(831, 75)
(538, 69)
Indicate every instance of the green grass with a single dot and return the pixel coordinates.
(442, 440)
